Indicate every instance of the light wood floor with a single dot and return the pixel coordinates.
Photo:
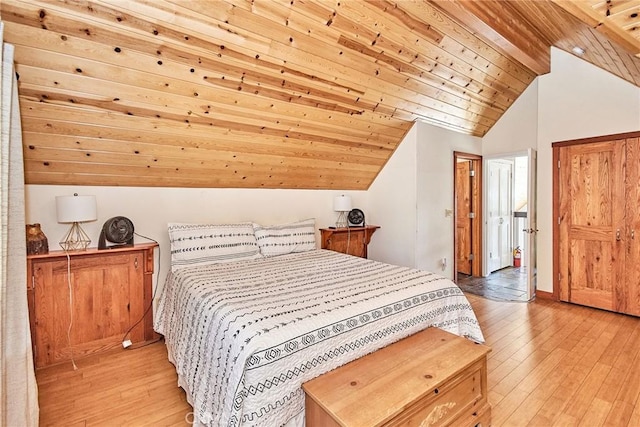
(551, 364)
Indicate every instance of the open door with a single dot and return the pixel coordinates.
(467, 203)
(531, 229)
(463, 217)
(500, 209)
(520, 218)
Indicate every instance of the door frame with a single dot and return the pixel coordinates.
(476, 207)
(507, 155)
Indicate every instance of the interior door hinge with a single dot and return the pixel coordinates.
(472, 173)
(558, 220)
(472, 215)
(558, 164)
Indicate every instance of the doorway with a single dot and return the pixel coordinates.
(467, 240)
(509, 243)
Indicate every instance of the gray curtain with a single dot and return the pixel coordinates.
(18, 389)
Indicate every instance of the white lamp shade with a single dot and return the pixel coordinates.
(76, 208)
(342, 203)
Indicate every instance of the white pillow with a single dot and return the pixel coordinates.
(198, 244)
(286, 238)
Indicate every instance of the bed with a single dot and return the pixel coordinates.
(245, 334)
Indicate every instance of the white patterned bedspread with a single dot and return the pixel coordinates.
(244, 336)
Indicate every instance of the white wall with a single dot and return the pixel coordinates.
(151, 209)
(576, 100)
(392, 205)
(410, 196)
(435, 194)
(517, 129)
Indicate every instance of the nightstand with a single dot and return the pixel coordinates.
(112, 289)
(351, 240)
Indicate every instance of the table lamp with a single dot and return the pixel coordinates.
(75, 209)
(342, 204)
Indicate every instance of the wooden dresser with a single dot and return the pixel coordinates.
(351, 240)
(112, 290)
(430, 378)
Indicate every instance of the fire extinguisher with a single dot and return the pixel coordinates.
(517, 256)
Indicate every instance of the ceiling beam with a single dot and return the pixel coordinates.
(509, 32)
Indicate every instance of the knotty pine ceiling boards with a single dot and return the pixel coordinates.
(272, 93)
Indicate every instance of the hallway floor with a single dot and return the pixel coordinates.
(508, 284)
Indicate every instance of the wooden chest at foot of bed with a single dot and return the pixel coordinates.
(430, 378)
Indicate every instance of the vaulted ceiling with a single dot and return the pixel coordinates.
(279, 93)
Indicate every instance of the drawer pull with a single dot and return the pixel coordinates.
(436, 391)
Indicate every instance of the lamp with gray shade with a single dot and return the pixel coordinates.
(342, 204)
(74, 210)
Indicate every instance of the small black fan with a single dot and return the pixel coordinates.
(117, 230)
(356, 217)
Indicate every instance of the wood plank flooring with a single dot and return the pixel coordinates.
(552, 364)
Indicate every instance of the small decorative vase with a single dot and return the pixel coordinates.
(37, 242)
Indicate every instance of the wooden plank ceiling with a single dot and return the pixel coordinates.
(274, 93)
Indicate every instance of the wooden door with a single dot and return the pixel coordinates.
(591, 246)
(629, 302)
(463, 217)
